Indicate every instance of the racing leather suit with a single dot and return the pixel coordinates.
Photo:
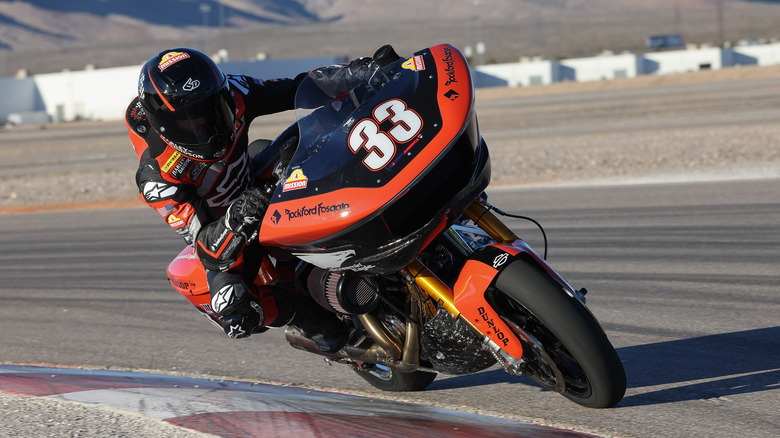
(193, 197)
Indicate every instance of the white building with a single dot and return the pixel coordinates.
(88, 94)
(763, 54)
(600, 67)
(681, 61)
(520, 74)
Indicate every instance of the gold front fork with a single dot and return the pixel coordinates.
(429, 283)
(485, 219)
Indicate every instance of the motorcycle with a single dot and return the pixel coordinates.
(378, 212)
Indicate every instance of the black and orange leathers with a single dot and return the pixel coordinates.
(193, 196)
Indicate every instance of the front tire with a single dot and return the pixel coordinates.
(565, 348)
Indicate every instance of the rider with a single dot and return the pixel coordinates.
(189, 127)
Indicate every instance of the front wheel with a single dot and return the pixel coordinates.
(564, 347)
(389, 379)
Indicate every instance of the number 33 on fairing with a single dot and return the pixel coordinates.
(380, 145)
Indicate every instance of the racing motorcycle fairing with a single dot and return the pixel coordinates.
(479, 274)
(374, 176)
(188, 277)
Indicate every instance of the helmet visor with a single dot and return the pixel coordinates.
(201, 128)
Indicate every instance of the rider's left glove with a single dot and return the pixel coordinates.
(360, 70)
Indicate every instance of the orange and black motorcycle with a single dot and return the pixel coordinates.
(379, 214)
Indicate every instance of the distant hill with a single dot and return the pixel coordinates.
(49, 35)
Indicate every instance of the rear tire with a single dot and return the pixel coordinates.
(565, 347)
(389, 379)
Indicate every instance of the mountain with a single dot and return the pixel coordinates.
(51, 35)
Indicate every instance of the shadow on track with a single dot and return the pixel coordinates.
(730, 363)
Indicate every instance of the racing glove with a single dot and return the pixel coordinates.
(339, 79)
(220, 244)
(246, 213)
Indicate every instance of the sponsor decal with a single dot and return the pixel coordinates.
(154, 191)
(181, 284)
(220, 239)
(276, 217)
(141, 80)
(171, 58)
(137, 112)
(197, 169)
(171, 161)
(405, 152)
(415, 63)
(182, 149)
(359, 267)
(180, 168)
(328, 260)
(165, 210)
(236, 331)
(500, 260)
(489, 319)
(451, 95)
(230, 182)
(191, 84)
(223, 298)
(317, 210)
(450, 70)
(175, 221)
(296, 181)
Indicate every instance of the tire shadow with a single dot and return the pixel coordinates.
(706, 367)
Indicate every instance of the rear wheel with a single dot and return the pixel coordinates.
(564, 347)
(389, 379)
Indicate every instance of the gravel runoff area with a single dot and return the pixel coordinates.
(708, 125)
(30, 417)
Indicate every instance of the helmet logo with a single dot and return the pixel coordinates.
(171, 58)
(191, 84)
(141, 85)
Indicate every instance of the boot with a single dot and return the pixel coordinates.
(321, 326)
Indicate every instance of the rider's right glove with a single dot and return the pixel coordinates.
(219, 244)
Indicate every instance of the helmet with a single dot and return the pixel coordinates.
(187, 100)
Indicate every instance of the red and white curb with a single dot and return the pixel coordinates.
(243, 409)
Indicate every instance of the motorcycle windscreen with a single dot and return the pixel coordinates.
(364, 144)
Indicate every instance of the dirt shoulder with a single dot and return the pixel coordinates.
(699, 126)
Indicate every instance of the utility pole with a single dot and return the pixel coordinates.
(205, 9)
(721, 36)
